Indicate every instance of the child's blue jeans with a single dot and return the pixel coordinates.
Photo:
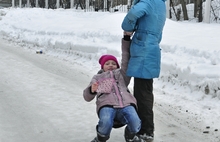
(126, 115)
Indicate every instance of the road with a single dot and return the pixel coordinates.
(41, 101)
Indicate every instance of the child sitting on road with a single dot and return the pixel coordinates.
(114, 101)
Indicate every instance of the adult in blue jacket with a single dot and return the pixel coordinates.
(145, 20)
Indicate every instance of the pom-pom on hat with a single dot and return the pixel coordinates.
(105, 58)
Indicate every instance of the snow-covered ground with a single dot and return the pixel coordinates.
(45, 90)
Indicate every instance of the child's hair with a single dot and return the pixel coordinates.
(105, 58)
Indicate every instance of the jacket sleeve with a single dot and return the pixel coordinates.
(125, 48)
(87, 94)
(138, 10)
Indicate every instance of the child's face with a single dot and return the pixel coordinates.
(110, 65)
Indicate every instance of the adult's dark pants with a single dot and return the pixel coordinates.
(143, 92)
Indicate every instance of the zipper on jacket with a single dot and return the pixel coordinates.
(117, 91)
(118, 95)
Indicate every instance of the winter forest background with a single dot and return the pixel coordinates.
(180, 10)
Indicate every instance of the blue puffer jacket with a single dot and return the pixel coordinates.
(147, 19)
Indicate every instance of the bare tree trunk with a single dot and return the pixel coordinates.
(195, 8)
(185, 14)
(200, 11)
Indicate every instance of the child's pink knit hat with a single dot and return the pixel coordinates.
(105, 58)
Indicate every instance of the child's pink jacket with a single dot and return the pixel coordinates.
(119, 96)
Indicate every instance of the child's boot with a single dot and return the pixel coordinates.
(129, 137)
(100, 138)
